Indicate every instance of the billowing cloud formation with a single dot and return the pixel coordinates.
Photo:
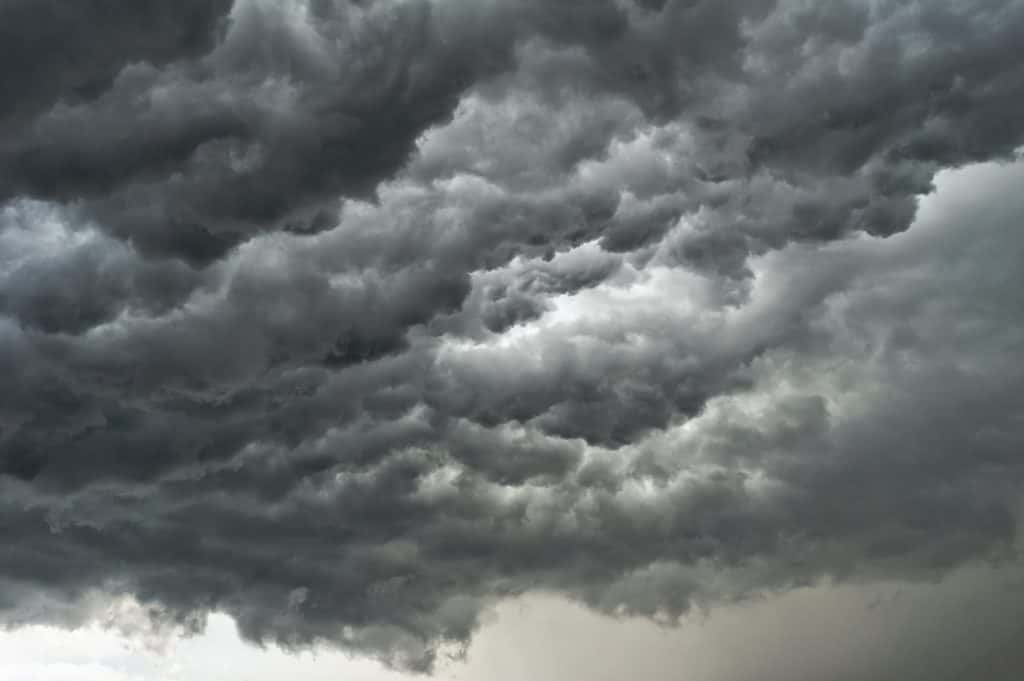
(349, 318)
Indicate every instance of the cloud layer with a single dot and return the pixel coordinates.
(348, 319)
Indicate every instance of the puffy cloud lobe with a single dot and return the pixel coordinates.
(349, 319)
(54, 51)
(296, 103)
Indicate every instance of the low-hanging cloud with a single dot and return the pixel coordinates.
(350, 318)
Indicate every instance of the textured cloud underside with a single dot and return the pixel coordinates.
(348, 319)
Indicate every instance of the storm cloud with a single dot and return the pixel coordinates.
(350, 319)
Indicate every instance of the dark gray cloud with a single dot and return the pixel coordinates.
(294, 105)
(59, 52)
(351, 318)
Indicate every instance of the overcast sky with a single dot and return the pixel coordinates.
(511, 339)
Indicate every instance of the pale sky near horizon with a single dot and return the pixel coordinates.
(966, 626)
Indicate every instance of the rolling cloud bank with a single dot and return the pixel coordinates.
(351, 319)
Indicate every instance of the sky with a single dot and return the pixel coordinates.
(511, 339)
